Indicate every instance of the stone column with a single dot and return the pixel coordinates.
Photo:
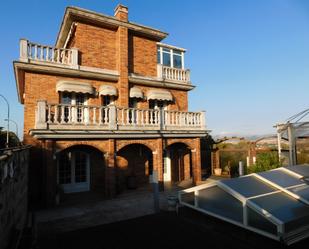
(110, 166)
(50, 172)
(157, 157)
(196, 161)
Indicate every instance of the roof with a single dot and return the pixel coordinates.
(273, 203)
(73, 14)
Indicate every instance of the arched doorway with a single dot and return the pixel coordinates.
(80, 168)
(177, 163)
(134, 165)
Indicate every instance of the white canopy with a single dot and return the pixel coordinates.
(74, 86)
(159, 95)
(108, 90)
(136, 92)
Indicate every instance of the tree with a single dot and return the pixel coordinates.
(13, 139)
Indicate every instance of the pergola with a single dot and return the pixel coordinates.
(292, 129)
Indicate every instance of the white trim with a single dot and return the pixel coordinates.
(171, 46)
(183, 60)
(231, 191)
(291, 172)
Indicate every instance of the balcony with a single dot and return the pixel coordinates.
(33, 52)
(173, 74)
(112, 118)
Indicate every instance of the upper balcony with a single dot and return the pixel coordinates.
(171, 64)
(170, 60)
(37, 53)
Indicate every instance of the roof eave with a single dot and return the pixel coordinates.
(18, 83)
(78, 14)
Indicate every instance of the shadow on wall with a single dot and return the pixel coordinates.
(134, 165)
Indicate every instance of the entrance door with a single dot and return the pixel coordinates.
(177, 165)
(73, 171)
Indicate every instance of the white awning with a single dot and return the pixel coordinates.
(159, 95)
(136, 92)
(108, 90)
(74, 86)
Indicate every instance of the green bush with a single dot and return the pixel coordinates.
(265, 161)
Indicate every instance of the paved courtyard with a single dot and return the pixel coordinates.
(130, 222)
(87, 210)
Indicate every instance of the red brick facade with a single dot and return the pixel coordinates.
(109, 48)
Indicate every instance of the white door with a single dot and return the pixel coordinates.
(74, 171)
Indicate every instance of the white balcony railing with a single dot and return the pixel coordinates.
(174, 74)
(42, 53)
(60, 116)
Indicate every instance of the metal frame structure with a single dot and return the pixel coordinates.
(192, 198)
(292, 129)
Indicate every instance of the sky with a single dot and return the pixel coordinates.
(249, 60)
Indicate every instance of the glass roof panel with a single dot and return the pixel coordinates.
(302, 191)
(283, 207)
(281, 178)
(249, 186)
(217, 201)
(300, 169)
(260, 222)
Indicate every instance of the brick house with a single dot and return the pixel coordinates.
(107, 103)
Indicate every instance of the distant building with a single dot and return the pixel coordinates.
(106, 106)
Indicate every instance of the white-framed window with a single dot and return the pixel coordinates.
(72, 98)
(75, 99)
(170, 57)
(158, 104)
(73, 171)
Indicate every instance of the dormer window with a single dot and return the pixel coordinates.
(170, 56)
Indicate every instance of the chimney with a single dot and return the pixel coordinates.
(121, 12)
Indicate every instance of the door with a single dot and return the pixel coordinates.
(74, 110)
(177, 165)
(74, 171)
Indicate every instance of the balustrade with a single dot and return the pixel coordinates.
(44, 53)
(176, 74)
(112, 117)
(76, 114)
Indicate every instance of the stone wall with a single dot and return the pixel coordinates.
(13, 195)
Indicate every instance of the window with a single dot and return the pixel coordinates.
(132, 103)
(158, 104)
(166, 57)
(106, 100)
(73, 113)
(177, 59)
(170, 57)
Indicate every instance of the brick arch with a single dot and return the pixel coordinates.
(127, 143)
(189, 144)
(64, 146)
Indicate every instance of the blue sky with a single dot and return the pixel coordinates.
(248, 59)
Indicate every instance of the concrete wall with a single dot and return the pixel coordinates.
(13, 194)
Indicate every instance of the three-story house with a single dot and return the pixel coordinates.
(107, 103)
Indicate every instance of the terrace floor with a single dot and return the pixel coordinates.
(129, 221)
